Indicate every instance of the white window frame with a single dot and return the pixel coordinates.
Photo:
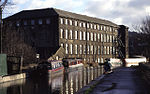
(76, 34)
(71, 50)
(98, 36)
(84, 25)
(62, 45)
(70, 21)
(61, 33)
(71, 37)
(66, 48)
(66, 21)
(102, 37)
(76, 23)
(80, 49)
(91, 49)
(95, 37)
(61, 21)
(88, 36)
(95, 26)
(91, 36)
(91, 25)
(80, 35)
(76, 49)
(84, 35)
(88, 25)
(66, 34)
(88, 49)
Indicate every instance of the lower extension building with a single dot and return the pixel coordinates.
(60, 34)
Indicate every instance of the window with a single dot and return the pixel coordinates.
(47, 21)
(88, 49)
(70, 34)
(84, 36)
(76, 34)
(88, 36)
(71, 49)
(102, 60)
(91, 49)
(101, 27)
(80, 24)
(70, 22)
(98, 27)
(108, 51)
(94, 26)
(25, 22)
(113, 49)
(95, 37)
(66, 22)
(101, 37)
(17, 23)
(107, 28)
(104, 49)
(87, 25)
(98, 49)
(95, 50)
(110, 29)
(91, 36)
(84, 49)
(40, 21)
(80, 35)
(83, 24)
(104, 28)
(99, 60)
(107, 38)
(66, 48)
(76, 23)
(61, 33)
(113, 39)
(80, 49)
(76, 49)
(110, 38)
(98, 37)
(66, 34)
(61, 21)
(32, 22)
(61, 45)
(91, 26)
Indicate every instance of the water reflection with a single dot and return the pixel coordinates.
(69, 83)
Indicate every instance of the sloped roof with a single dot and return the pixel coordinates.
(38, 13)
(83, 17)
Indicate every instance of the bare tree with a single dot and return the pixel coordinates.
(144, 36)
(14, 45)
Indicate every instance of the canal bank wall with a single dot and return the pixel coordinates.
(8, 78)
(144, 70)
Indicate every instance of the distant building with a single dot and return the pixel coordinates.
(60, 34)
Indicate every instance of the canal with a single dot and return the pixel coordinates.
(69, 83)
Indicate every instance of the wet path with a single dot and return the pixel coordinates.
(122, 81)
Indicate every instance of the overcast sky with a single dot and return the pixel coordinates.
(127, 12)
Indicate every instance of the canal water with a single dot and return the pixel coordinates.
(69, 83)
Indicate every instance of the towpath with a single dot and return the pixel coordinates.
(122, 81)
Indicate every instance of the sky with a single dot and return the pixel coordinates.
(121, 12)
